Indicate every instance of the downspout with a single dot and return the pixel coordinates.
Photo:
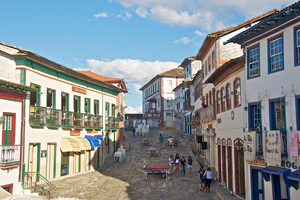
(22, 164)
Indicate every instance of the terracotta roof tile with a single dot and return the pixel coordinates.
(98, 76)
(176, 72)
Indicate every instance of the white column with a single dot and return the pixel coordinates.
(211, 146)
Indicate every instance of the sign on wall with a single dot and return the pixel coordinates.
(43, 153)
(192, 123)
(78, 90)
(250, 145)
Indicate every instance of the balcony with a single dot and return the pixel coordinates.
(10, 156)
(79, 119)
(67, 118)
(208, 114)
(111, 122)
(98, 122)
(152, 113)
(53, 117)
(37, 115)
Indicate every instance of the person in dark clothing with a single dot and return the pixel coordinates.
(200, 175)
(190, 163)
(133, 131)
(182, 162)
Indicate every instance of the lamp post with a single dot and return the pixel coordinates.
(239, 146)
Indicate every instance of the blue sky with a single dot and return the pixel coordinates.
(130, 39)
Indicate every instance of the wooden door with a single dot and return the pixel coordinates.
(229, 156)
(34, 160)
(51, 156)
(224, 164)
(241, 173)
(8, 130)
(219, 162)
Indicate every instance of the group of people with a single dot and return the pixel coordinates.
(170, 140)
(180, 162)
(204, 178)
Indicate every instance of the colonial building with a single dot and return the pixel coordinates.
(191, 67)
(67, 116)
(158, 97)
(213, 54)
(272, 100)
(178, 107)
(12, 96)
(120, 83)
(227, 81)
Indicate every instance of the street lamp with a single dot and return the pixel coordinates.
(239, 145)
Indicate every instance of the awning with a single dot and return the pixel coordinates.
(84, 143)
(276, 171)
(4, 193)
(94, 142)
(69, 145)
(294, 178)
(99, 137)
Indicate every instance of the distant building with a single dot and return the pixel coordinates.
(158, 97)
(133, 120)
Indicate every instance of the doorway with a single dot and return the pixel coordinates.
(34, 159)
(229, 156)
(169, 120)
(257, 184)
(224, 164)
(51, 160)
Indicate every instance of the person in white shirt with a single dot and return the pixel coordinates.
(207, 176)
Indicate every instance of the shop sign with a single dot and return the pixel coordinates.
(78, 90)
(43, 153)
(93, 131)
(192, 123)
(74, 133)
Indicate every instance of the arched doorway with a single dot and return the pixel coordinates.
(229, 161)
(239, 168)
(219, 160)
(224, 161)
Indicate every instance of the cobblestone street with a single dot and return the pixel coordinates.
(125, 180)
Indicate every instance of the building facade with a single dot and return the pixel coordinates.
(71, 122)
(158, 98)
(272, 102)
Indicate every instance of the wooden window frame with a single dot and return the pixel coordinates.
(236, 104)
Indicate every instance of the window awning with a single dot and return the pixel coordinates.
(69, 145)
(276, 171)
(84, 143)
(294, 178)
(99, 137)
(94, 142)
(4, 193)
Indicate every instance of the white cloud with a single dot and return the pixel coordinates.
(137, 87)
(184, 40)
(125, 15)
(142, 12)
(201, 13)
(132, 110)
(199, 33)
(133, 71)
(103, 14)
(128, 15)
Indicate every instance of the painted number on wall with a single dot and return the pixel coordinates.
(288, 164)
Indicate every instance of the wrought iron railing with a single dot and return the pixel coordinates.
(98, 121)
(111, 122)
(79, 119)
(208, 112)
(67, 118)
(89, 121)
(53, 117)
(37, 115)
(9, 154)
(32, 179)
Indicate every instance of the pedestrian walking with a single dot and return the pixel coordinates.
(161, 141)
(183, 161)
(171, 162)
(177, 160)
(190, 163)
(133, 131)
(200, 175)
(207, 177)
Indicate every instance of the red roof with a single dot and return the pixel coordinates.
(104, 78)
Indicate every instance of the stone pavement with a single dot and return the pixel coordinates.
(125, 180)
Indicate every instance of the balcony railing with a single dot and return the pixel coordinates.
(9, 154)
(208, 112)
(98, 121)
(79, 119)
(89, 121)
(67, 118)
(53, 117)
(37, 115)
(111, 122)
